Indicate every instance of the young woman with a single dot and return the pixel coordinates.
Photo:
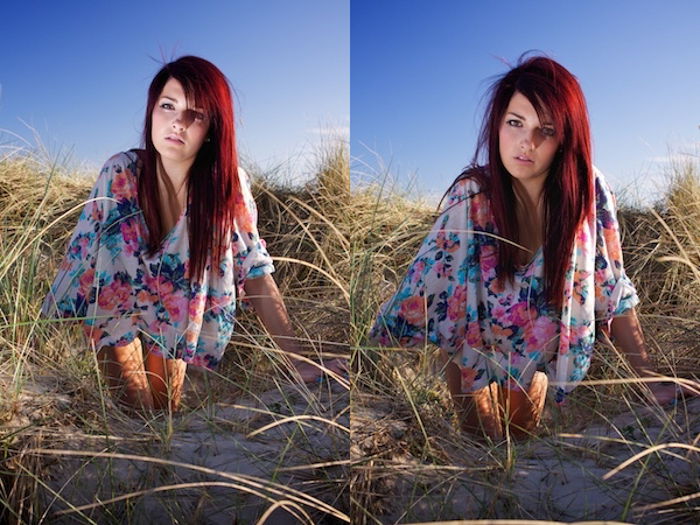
(167, 244)
(524, 264)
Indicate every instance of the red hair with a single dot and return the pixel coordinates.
(568, 191)
(213, 178)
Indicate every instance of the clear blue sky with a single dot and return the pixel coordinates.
(420, 68)
(78, 71)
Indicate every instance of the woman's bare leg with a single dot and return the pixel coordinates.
(166, 378)
(123, 368)
(522, 409)
(478, 411)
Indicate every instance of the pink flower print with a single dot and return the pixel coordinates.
(480, 212)
(520, 314)
(564, 341)
(196, 309)
(130, 234)
(501, 332)
(582, 236)
(413, 310)
(159, 286)
(157, 327)
(244, 217)
(417, 270)
(145, 296)
(83, 242)
(600, 291)
(498, 313)
(441, 269)
(191, 337)
(444, 243)
(457, 303)
(122, 293)
(488, 261)
(96, 211)
(85, 281)
(217, 303)
(474, 335)
(121, 186)
(579, 281)
(114, 296)
(176, 306)
(543, 331)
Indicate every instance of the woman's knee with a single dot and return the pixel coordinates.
(523, 408)
(166, 378)
(124, 373)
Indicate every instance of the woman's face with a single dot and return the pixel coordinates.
(178, 129)
(526, 145)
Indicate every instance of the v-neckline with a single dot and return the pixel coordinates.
(177, 223)
(522, 268)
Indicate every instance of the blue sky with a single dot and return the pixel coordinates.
(420, 68)
(78, 72)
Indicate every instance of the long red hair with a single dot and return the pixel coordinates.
(213, 178)
(568, 191)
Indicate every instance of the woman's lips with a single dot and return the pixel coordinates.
(524, 160)
(173, 138)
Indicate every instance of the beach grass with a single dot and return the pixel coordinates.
(250, 443)
(611, 453)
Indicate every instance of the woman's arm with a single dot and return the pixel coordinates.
(627, 332)
(264, 295)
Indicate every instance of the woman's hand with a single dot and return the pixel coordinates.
(267, 301)
(667, 392)
(314, 372)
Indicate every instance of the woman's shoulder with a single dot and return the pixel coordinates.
(604, 194)
(469, 184)
(130, 161)
(117, 178)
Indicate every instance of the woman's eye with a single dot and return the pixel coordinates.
(548, 132)
(513, 122)
(199, 116)
(167, 105)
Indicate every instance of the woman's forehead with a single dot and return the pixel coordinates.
(174, 90)
(522, 106)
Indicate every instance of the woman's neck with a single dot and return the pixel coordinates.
(173, 175)
(173, 184)
(529, 195)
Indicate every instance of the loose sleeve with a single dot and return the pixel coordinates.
(251, 258)
(73, 289)
(614, 292)
(431, 302)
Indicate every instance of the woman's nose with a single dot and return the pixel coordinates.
(531, 139)
(178, 123)
(183, 119)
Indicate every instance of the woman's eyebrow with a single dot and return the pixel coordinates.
(195, 108)
(523, 118)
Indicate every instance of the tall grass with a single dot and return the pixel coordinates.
(250, 443)
(410, 461)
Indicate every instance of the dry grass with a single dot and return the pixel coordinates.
(250, 443)
(410, 463)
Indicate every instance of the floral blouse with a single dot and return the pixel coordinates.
(506, 331)
(120, 292)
